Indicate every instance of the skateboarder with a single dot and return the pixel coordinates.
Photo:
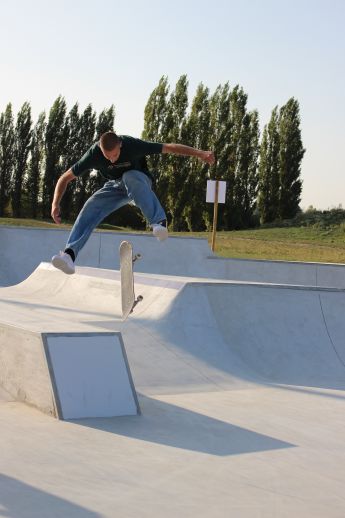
(121, 160)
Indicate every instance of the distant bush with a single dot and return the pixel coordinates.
(322, 219)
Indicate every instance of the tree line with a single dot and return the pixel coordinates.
(263, 172)
(33, 157)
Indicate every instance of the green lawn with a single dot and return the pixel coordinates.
(290, 244)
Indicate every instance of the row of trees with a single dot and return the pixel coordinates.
(32, 157)
(262, 175)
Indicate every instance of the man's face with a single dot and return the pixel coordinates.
(113, 154)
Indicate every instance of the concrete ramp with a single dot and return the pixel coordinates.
(192, 335)
(241, 380)
(288, 335)
(52, 361)
(232, 333)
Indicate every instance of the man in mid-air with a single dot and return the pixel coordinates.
(121, 160)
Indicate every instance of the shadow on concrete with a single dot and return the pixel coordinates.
(20, 500)
(312, 391)
(177, 427)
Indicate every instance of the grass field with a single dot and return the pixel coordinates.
(289, 244)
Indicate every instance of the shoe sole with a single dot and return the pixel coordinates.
(161, 235)
(60, 264)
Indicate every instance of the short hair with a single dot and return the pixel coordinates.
(109, 140)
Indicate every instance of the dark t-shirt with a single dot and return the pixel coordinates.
(132, 156)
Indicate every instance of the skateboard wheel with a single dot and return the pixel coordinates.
(140, 297)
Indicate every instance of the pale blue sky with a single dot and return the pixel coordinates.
(110, 52)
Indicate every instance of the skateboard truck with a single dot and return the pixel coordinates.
(139, 298)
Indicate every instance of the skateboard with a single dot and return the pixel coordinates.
(127, 259)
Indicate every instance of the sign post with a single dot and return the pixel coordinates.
(215, 217)
(216, 190)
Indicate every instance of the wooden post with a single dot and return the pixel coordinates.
(215, 217)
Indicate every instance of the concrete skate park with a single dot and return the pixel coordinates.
(222, 394)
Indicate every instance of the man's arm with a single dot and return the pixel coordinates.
(60, 189)
(181, 149)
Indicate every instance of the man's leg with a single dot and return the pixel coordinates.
(138, 186)
(109, 198)
(103, 202)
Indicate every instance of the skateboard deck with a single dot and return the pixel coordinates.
(128, 300)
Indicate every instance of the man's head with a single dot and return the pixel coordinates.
(110, 145)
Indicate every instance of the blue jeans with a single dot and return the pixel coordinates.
(134, 187)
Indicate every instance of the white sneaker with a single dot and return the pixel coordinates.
(160, 232)
(63, 262)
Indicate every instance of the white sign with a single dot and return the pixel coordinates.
(211, 191)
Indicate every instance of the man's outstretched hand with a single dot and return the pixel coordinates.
(208, 157)
(55, 214)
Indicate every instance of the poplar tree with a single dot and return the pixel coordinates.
(220, 142)
(105, 121)
(92, 128)
(198, 135)
(234, 139)
(291, 153)
(56, 136)
(155, 111)
(233, 209)
(7, 150)
(175, 167)
(222, 123)
(264, 179)
(155, 130)
(23, 134)
(70, 156)
(269, 181)
(35, 167)
(246, 184)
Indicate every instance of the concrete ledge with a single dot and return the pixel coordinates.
(24, 372)
(67, 375)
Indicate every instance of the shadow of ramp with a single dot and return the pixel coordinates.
(20, 500)
(170, 425)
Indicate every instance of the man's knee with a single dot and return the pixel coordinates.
(135, 177)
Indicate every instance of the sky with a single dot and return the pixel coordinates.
(109, 52)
